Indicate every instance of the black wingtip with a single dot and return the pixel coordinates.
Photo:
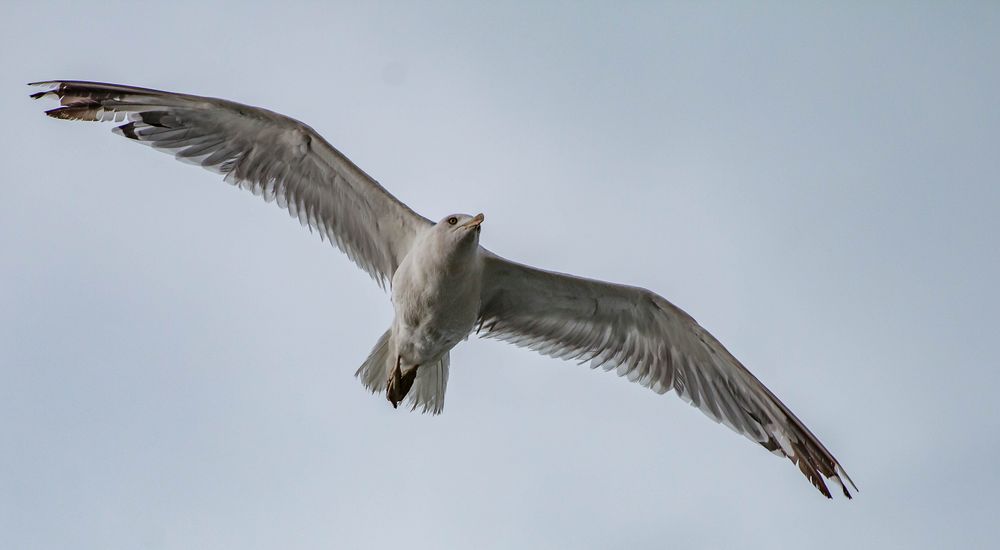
(53, 88)
(128, 130)
(154, 118)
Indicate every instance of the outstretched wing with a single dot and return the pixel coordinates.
(264, 152)
(649, 340)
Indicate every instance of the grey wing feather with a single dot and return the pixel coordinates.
(645, 338)
(267, 153)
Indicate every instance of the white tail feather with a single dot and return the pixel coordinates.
(374, 372)
(427, 393)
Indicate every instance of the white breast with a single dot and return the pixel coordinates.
(436, 297)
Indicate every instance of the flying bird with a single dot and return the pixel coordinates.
(443, 284)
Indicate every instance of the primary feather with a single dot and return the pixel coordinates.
(633, 331)
(271, 155)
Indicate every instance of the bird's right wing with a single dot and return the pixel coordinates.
(644, 337)
(264, 152)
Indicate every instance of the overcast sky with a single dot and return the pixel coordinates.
(818, 186)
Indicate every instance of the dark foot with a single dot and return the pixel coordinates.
(399, 384)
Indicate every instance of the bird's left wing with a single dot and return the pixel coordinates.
(267, 153)
(642, 336)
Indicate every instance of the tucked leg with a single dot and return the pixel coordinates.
(399, 383)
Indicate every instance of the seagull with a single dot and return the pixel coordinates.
(443, 285)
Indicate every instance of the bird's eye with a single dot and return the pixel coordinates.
(452, 220)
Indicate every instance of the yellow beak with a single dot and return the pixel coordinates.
(474, 222)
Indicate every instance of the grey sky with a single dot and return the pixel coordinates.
(817, 185)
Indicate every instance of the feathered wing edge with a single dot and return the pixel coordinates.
(650, 341)
(267, 153)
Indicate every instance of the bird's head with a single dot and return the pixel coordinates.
(459, 230)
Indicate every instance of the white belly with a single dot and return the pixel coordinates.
(435, 309)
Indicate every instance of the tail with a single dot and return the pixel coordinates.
(427, 393)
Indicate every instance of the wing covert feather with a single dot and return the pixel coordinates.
(647, 339)
(266, 153)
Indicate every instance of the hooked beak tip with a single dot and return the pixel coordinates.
(476, 221)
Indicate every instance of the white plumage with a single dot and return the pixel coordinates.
(444, 284)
